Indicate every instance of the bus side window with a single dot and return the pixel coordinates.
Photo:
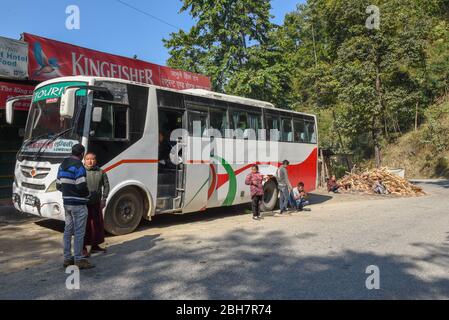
(113, 123)
(272, 123)
(255, 124)
(103, 129)
(299, 128)
(120, 121)
(219, 120)
(287, 130)
(197, 123)
(240, 123)
(310, 131)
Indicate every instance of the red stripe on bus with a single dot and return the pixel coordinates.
(115, 165)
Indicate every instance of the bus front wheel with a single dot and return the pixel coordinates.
(270, 196)
(124, 212)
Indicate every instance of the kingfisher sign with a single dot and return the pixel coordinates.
(50, 59)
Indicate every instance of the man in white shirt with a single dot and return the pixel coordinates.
(300, 196)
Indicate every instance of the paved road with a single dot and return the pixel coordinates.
(223, 254)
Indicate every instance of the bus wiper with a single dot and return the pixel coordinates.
(38, 153)
(26, 143)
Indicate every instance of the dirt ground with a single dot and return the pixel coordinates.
(27, 240)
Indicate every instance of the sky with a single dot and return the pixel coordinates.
(108, 25)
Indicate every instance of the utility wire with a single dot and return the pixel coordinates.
(148, 14)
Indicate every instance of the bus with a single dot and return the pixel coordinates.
(151, 142)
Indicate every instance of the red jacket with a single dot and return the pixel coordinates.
(254, 180)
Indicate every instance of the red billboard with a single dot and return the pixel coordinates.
(50, 59)
(8, 89)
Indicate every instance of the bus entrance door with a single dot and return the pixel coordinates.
(196, 163)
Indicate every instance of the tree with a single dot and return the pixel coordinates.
(223, 38)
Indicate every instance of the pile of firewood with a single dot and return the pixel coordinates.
(364, 183)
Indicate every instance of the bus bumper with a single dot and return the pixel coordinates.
(47, 205)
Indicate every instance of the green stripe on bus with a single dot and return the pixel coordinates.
(232, 182)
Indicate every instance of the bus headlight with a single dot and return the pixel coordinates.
(52, 187)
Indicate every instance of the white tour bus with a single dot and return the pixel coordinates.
(146, 139)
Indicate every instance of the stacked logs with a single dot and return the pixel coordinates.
(364, 183)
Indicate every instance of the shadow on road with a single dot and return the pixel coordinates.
(439, 183)
(241, 264)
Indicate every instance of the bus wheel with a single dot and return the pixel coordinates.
(124, 212)
(270, 196)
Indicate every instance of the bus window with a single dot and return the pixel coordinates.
(219, 120)
(287, 130)
(240, 122)
(104, 128)
(120, 123)
(272, 123)
(113, 125)
(255, 124)
(299, 129)
(310, 131)
(197, 123)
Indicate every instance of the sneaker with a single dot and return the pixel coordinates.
(97, 249)
(84, 264)
(67, 263)
(256, 218)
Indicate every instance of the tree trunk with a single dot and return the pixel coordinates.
(377, 118)
(324, 173)
(416, 116)
(340, 140)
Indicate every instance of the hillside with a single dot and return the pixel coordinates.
(424, 153)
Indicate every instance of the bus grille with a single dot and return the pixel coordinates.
(33, 186)
(41, 173)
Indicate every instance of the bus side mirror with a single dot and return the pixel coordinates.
(68, 102)
(10, 111)
(97, 114)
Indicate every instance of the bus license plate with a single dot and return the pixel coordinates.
(29, 200)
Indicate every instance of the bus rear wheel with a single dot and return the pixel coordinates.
(124, 212)
(270, 196)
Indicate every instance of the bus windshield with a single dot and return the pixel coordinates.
(44, 121)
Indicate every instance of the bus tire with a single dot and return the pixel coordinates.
(270, 196)
(124, 212)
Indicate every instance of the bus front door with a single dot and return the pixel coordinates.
(196, 164)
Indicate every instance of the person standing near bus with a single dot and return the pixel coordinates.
(98, 185)
(254, 180)
(284, 185)
(71, 181)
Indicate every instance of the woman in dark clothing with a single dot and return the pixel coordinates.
(98, 185)
(332, 185)
(254, 180)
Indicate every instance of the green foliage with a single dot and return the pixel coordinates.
(367, 86)
(219, 43)
(436, 131)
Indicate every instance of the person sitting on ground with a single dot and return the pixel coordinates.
(332, 185)
(300, 196)
(379, 187)
(98, 184)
